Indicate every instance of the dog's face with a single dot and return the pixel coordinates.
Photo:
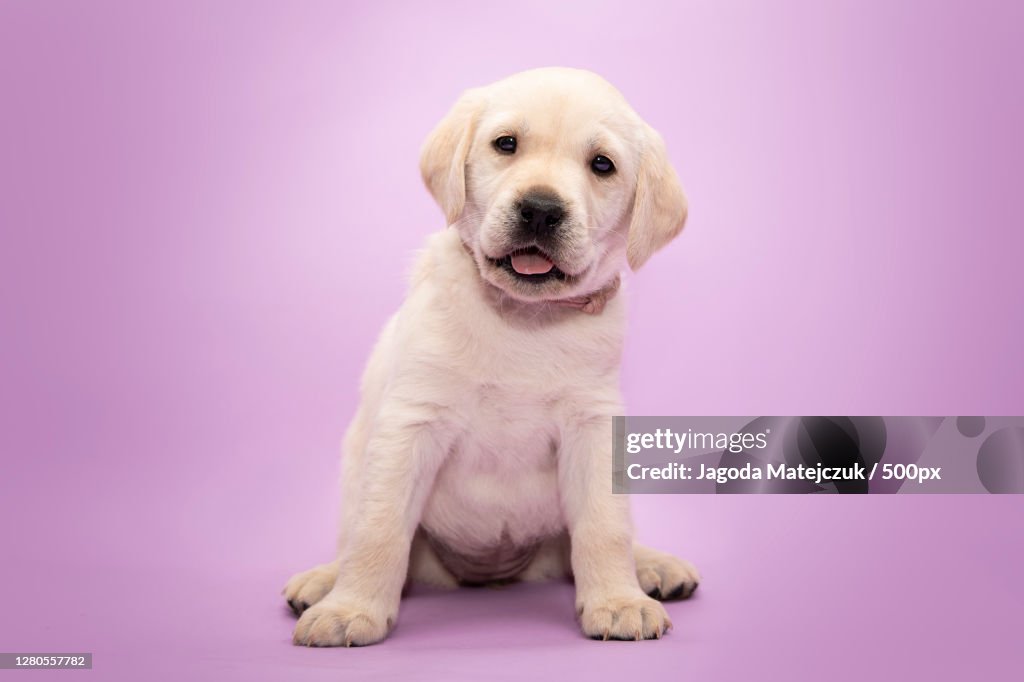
(553, 182)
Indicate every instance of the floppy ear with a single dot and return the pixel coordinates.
(659, 208)
(443, 157)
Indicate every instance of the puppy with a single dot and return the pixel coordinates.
(481, 450)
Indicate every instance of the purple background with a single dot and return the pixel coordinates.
(207, 210)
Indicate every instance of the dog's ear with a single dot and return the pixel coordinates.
(443, 157)
(659, 207)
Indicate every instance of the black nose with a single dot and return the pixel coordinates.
(540, 212)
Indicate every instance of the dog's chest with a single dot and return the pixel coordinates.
(498, 485)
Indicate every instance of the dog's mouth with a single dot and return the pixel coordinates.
(529, 264)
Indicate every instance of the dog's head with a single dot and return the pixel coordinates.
(553, 182)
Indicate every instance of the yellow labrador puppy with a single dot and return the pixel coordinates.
(482, 449)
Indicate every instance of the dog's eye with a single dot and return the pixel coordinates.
(506, 144)
(602, 165)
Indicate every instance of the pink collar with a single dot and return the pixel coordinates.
(594, 303)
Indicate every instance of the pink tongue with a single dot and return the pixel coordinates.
(531, 264)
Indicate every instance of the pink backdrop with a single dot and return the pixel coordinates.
(206, 213)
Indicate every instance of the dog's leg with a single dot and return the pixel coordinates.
(663, 576)
(401, 460)
(609, 601)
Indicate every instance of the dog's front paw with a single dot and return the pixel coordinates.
(665, 577)
(338, 622)
(630, 617)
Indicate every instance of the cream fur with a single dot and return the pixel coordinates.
(485, 420)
